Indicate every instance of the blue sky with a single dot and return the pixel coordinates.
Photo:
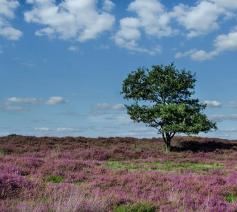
(62, 62)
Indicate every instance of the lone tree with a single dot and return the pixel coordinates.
(163, 99)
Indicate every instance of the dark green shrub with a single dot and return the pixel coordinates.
(231, 198)
(54, 179)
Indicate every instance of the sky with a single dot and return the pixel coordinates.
(62, 62)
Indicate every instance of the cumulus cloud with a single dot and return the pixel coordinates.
(228, 4)
(151, 18)
(20, 104)
(222, 43)
(226, 42)
(212, 103)
(55, 100)
(108, 5)
(191, 18)
(197, 55)
(212, 11)
(70, 19)
(7, 13)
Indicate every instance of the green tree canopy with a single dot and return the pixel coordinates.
(162, 97)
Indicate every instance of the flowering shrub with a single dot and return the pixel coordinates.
(11, 185)
(121, 174)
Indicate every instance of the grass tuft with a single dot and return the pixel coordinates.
(55, 179)
(231, 198)
(137, 207)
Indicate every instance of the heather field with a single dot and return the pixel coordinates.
(117, 174)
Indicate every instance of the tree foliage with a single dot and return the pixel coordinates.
(162, 97)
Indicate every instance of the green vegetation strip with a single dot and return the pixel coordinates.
(137, 207)
(158, 166)
(55, 179)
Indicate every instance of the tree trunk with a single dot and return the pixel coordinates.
(167, 139)
(168, 146)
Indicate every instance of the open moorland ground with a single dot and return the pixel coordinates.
(117, 174)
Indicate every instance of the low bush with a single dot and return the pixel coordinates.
(54, 179)
(231, 198)
(11, 185)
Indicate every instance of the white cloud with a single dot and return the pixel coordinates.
(205, 16)
(151, 18)
(108, 5)
(212, 103)
(201, 55)
(9, 32)
(20, 104)
(198, 55)
(129, 33)
(70, 19)
(53, 131)
(184, 54)
(229, 4)
(65, 129)
(19, 100)
(224, 42)
(55, 100)
(42, 129)
(106, 106)
(154, 20)
(59, 129)
(192, 18)
(7, 9)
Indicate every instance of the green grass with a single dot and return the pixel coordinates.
(158, 166)
(231, 198)
(138, 207)
(55, 179)
(2, 152)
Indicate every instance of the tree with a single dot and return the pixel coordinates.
(162, 97)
